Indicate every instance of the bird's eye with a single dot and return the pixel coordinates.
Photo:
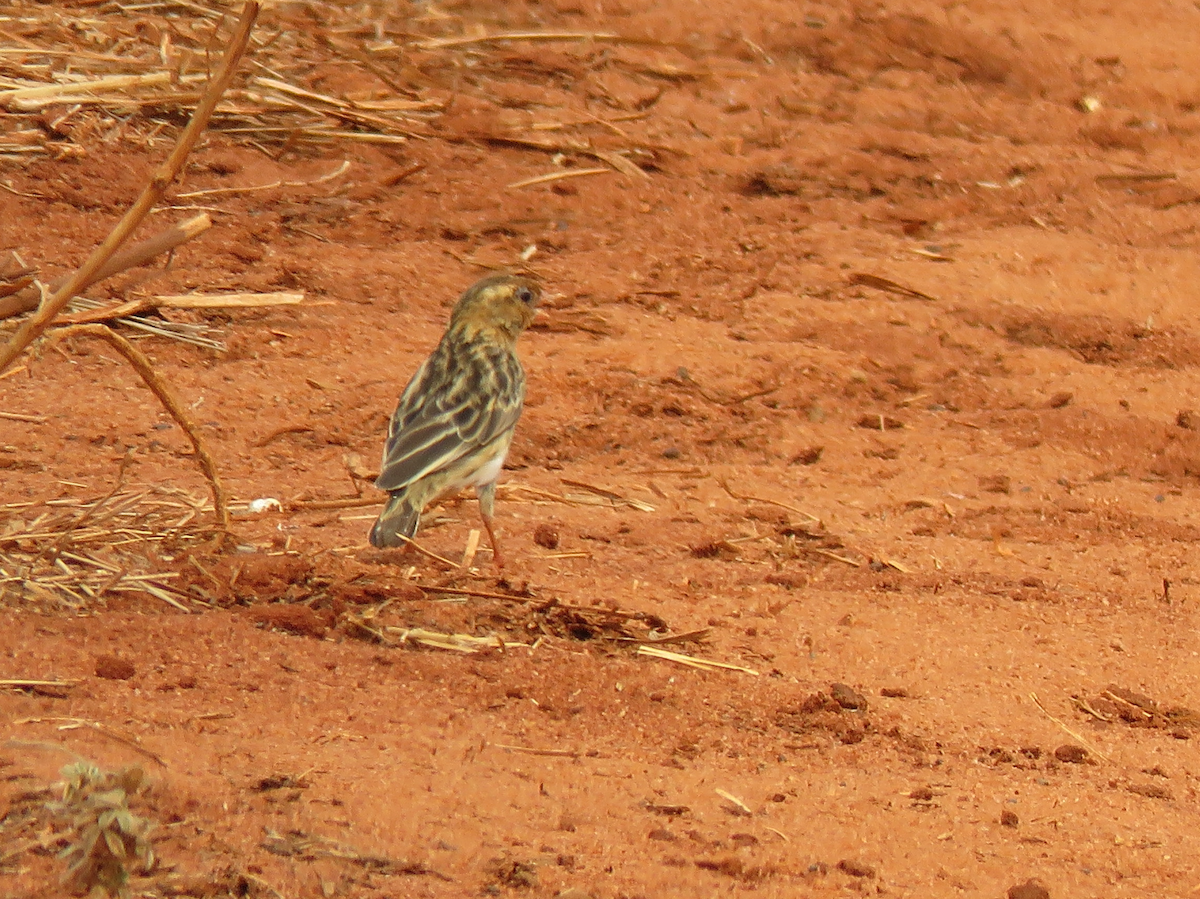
(525, 295)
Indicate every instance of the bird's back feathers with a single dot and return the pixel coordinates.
(464, 397)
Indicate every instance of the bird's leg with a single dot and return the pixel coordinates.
(487, 504)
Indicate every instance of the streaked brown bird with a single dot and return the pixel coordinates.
(454, 423)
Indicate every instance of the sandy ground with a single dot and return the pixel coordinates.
(945, 537)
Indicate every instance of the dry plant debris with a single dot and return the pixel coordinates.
(72, 553)
(304, 846)
(134, 71)
(1117, 704)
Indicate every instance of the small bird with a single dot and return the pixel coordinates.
(454, 423)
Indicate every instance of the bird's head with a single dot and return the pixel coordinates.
(500, 303)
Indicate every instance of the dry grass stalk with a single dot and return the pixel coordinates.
(20, 684)
(21, 416)
(747, 498)
(691, 661)
(557, 176)
(528, 36)
(200, 334)
(530, 750)
(464, 643)
(228, 191)
(153, 193)
(615, 498)
(160, 389)
(889, 286)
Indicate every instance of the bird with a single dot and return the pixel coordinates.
(454, 422)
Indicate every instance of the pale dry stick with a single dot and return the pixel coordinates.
(21, 416)
(27, 684)
(610, 495)
(1082, 739)
(37, 324)
(691, 661)
(159, 388)
(558, 176)
(27, 299)
(227, 300)
(472, 548)
(71, 91)
(479, 594)
(729, 797)
(426, 552)
(530, 750)
(182, 301)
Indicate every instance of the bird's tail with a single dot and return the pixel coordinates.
(399, 518)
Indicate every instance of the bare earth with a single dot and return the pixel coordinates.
(972, 506)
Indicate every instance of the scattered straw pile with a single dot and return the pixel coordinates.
(73, 553)
(71, 76)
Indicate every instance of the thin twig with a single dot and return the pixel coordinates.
(426, 552)
(529, 750)
(160, 389)
(745, 497)
(151, 195)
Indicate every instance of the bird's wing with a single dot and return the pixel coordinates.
(441, 418)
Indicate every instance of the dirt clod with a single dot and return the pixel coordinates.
(114, 668)
(847, 697)
(546, 536)
(1150, 791)
(1009, 818)
(856, 868)
(1072, 754)
(808, 456)
(995, 483)
(1030, 889)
